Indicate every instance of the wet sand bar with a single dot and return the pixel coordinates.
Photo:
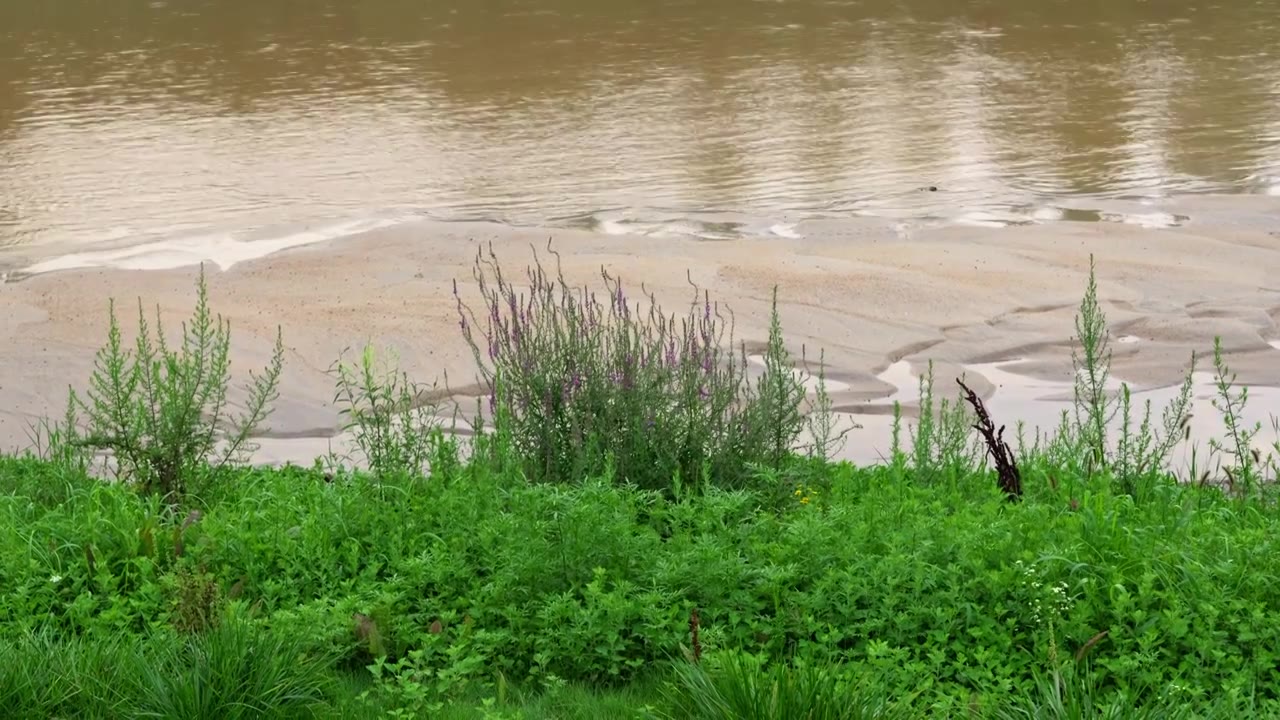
(880, 304)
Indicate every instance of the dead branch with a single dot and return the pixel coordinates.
(1007, 475)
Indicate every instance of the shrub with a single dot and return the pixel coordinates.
(578, 381)
(162, 412)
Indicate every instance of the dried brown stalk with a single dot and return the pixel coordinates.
(1007, 474)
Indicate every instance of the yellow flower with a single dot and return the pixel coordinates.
(804, 500)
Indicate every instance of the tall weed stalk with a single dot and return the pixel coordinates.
(1143, 445)
(1091, 360)
(1243, 472)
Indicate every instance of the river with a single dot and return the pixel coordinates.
(130, 122)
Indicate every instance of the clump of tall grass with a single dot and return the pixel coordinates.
(736, 686)
(580, 380)
(233, 671)
(162, 412)
(1067, 692)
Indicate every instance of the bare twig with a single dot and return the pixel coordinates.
(1008, 477)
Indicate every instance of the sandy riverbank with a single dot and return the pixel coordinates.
(880, 304)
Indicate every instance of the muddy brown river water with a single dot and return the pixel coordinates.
(136, 121)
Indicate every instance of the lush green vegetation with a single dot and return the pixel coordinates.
(638, 531)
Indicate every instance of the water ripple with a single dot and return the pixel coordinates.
(223, 115)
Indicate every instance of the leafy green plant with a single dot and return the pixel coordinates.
(942, 440)
(393, 424)
(163, 412)
(198, 600)
(1091, 359)
(1141, 453)
(826, 440)
(777, 403)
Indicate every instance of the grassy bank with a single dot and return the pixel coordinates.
(641, 529)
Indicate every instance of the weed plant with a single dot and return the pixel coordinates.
(943, 443)
(1083, 444)
(580, 380)
(162, 412)
(391, 419)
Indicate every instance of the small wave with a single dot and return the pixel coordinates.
(665, 227)
(223, 249)
(1048, 214)
(1147, 220)
(785, 230)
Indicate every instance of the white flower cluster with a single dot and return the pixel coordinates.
(1045, 602)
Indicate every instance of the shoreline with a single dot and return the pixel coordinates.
(881, 305)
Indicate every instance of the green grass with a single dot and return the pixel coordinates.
(644, 542)
(942, 597)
